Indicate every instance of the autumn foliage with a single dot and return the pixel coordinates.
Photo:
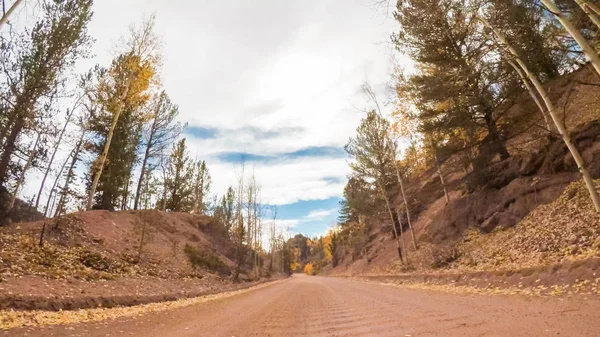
(308, 270)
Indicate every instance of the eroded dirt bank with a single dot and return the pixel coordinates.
(316, 306)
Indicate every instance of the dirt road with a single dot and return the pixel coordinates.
(315, 306)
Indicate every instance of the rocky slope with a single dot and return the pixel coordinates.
(529, 211)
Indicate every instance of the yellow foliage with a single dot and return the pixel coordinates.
(308, 269)
(294, 264)
(327, 246)
(126, 83)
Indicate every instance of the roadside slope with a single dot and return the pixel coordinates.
(102, 258)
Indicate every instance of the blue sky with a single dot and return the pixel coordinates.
(276, 82)
(312, 218)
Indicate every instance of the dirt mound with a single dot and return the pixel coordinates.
(102, 258)
(105, 245)
(474, 231)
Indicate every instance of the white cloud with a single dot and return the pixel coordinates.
(289, 181)
(320, 214)
(268, 64)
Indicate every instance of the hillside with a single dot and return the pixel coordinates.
(531, 210)
(114, 258)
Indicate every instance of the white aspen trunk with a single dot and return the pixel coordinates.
(589, 182)
(410, 227)
(255, 234)
(55, 150)
(48, 212)
(22, 177)
(146, 155)
(531, 93)
(440, 173)
(401, 250)
(61, 201)
(587, 49)
(249, 235)
(104, 154)
(402, 237)
(10, 11)
(101, 160)
(591, 10)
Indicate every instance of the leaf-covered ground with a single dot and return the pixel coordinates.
(11, 319)
(564, 230)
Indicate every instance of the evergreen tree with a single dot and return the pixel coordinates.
(201, 187)
(161, 132)
(117, 100)
(180, 173)
(373, 160)
(459, 85)
(36, 71)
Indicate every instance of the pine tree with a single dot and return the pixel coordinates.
(160, 134)
(459, 85)
(55, 43)
(372, 155)
(120, 93)
(201, 187)
(179, 175)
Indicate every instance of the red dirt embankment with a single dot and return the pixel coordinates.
(527, 214)
(106, 259)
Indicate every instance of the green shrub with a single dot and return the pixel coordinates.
(206, 259)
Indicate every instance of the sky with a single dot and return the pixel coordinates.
(277, 83)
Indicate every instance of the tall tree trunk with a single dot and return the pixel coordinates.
(589, 182)
(249, 218)
(49, 167)
(143, 171)
(591, 10)
(410, 227)
(9, 148)
(497, 141)
(531, 93)
(63, 194)
(53, 196)
(47, 211)
(587, 49)
(4, 131)
(440, 173)
(102, 159)
(400, 247)
(147, 194)
(25, 168)
(403, 242)
(164, 196)
(10, 11)
(125, 195)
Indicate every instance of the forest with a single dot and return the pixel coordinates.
(107, 138)
(476, 64)
(469, 204)
(120, 143)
